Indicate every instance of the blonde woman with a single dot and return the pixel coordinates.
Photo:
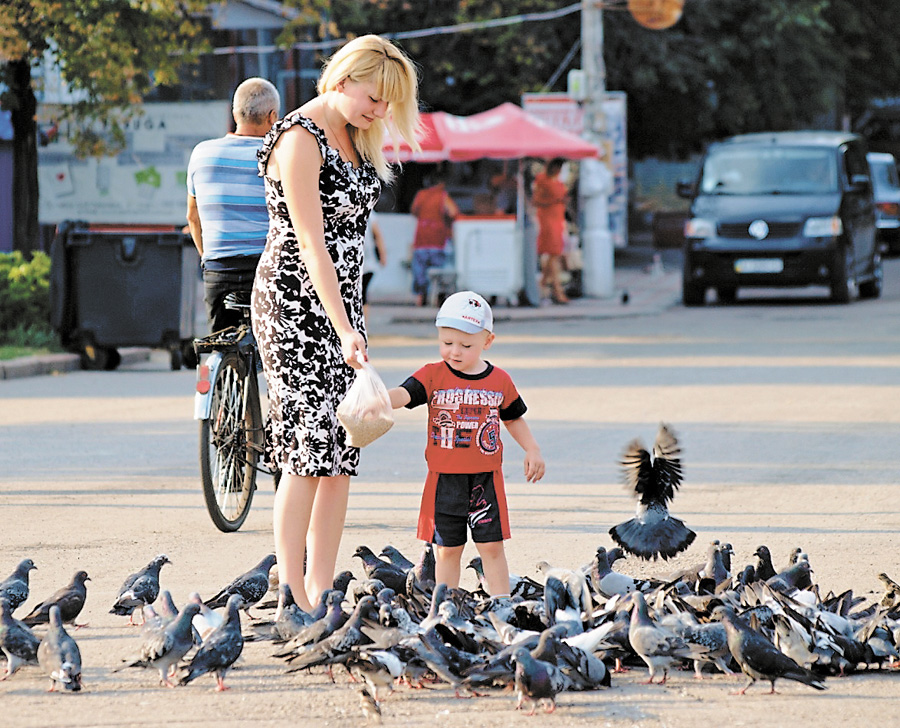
(323, 167)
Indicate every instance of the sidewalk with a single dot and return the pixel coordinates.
(642, 287)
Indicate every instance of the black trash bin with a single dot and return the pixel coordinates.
(114, 286)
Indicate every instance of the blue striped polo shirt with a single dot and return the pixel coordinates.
(223, 177)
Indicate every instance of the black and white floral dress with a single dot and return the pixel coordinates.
(305, 370)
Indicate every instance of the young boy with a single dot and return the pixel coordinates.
(467, 398)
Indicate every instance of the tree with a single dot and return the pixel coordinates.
(111, 52)
(727, 67)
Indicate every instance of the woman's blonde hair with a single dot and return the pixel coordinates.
(371, 58)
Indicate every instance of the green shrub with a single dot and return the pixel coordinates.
(25, 299)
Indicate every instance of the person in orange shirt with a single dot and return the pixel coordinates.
(435, 211)
(549, 198)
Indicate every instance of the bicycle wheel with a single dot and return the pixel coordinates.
(230, 444)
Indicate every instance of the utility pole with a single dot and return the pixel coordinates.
(596, 179)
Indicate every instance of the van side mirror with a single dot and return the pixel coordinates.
(685, 189)
(860, 182)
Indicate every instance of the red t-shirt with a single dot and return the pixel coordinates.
(464, 414)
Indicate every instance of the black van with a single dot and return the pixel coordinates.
(782, 209)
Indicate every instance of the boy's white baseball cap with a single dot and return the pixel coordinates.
(465, 311)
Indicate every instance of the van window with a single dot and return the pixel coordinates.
(744, 169)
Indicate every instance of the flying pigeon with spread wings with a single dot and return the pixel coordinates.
(653, 532)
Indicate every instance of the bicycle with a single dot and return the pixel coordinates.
(227, 404)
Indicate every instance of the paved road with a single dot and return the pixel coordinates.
(787, 411)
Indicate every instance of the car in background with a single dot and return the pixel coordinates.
(782, 209)
(886, 188)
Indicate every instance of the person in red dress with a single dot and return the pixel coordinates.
(549, 198)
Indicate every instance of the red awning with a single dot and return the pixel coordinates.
(505, 132)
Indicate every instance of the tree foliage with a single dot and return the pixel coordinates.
(109, 52)
(728, 66)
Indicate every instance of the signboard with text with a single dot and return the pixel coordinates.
(145, 183)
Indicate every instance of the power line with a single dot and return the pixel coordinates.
(407, 34)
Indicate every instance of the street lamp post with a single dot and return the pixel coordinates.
(596, 179)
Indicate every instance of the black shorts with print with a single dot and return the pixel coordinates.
(464, 500)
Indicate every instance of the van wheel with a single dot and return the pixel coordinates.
(872, 287)
(842, 280)
(726, 294)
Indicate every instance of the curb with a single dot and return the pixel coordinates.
(45, 364)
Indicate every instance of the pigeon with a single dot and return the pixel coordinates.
(519, 586)
(139, 589)
(251, 587)
(70, 600)
(386, 572)
(17, 641)
(219, 651)
(758, 657)
(338, 646)
(205, 620)
(292, 618)
(370, 708)
(794, 577)
(578, 595)
(607, 582)
(59, 656)
(764, 568)
(396, 558)
(342, 581)
(653, 532)
(323, 627)
(422, 574)
(14, 588)
(377, 668)
(536, 681)
(657, 646)
(162, 649)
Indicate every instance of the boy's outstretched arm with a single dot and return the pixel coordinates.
(534, 462)
(399, 397)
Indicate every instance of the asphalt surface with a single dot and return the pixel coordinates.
(645, 282)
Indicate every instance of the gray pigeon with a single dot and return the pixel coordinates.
(392, 576)
(14, 588)
(657, 646)
(653, 532)
(323, 627)
(70, 600)
(163, 648)
(139, 589)
(219, 651)
(758, 657)
(396, 558)
(607, 582)
(16, 640)
(59, 656)
(339, 645)
(537, 681)
(251, 587)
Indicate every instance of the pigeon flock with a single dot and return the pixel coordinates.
(389, 626)
(570, 630)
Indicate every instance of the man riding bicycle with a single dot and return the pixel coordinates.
(226, 205)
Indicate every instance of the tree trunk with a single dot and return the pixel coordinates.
(25, 177)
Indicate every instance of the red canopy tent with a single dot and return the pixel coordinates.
(505, 132)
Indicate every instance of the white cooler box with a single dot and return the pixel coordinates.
(488, 256)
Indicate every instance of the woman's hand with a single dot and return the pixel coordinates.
(353, 347)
